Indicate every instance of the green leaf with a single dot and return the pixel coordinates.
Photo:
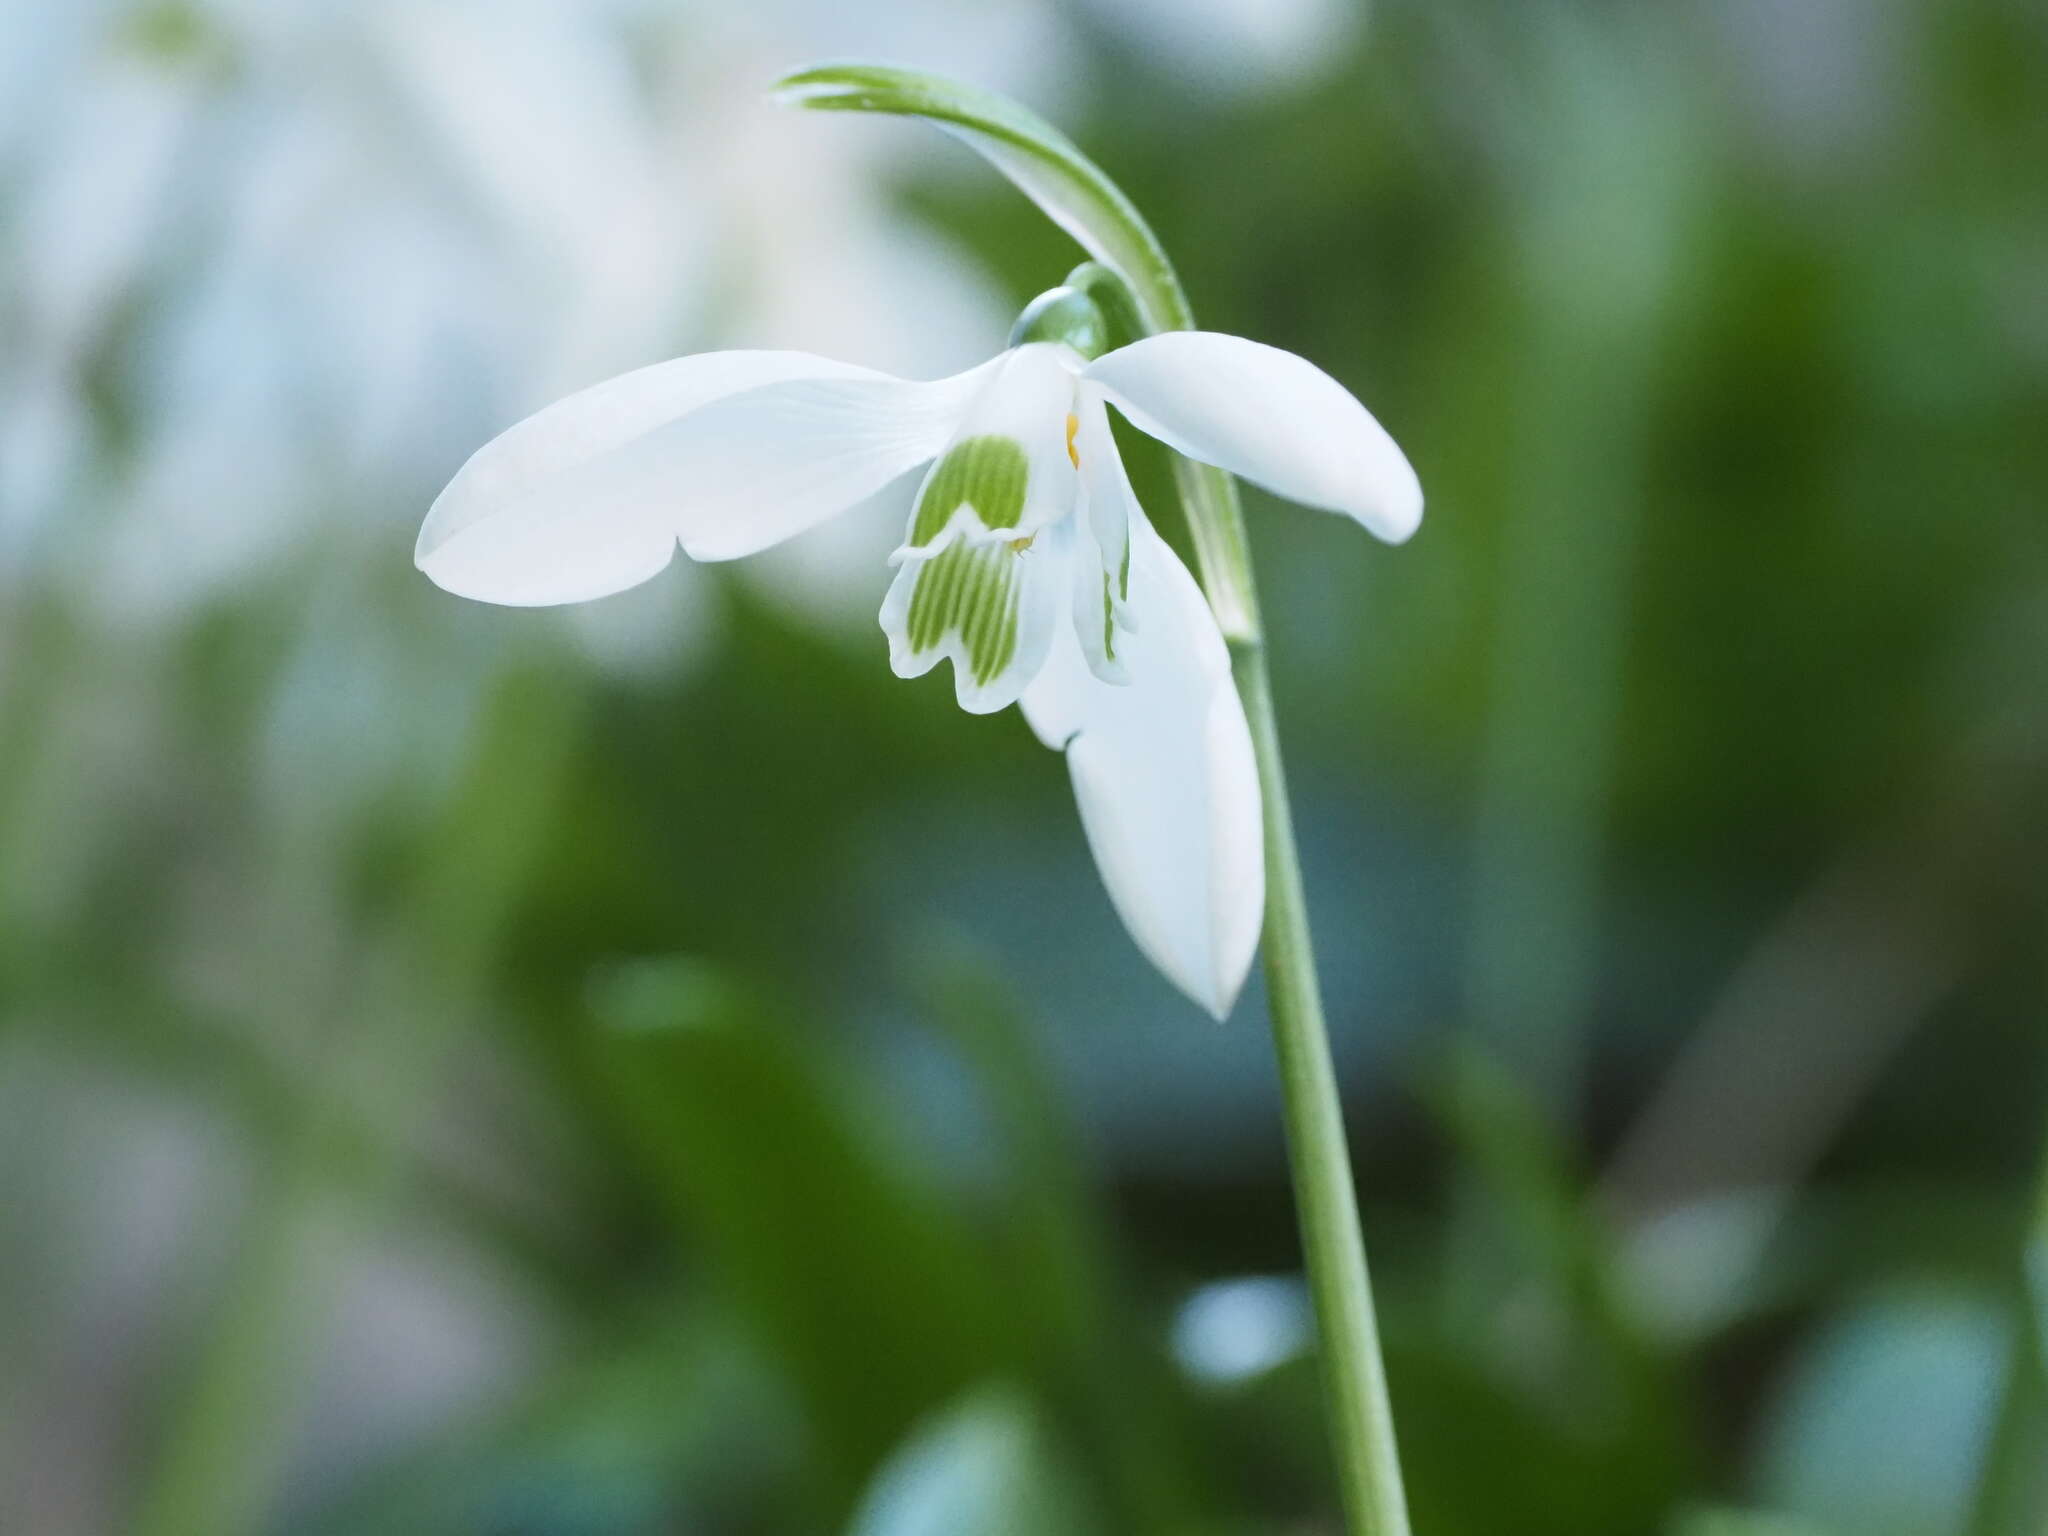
(1090, 1349)
(852, 1272)
(1043, 163)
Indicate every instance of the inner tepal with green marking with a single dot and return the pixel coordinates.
(969, 590)
(983, 568)
(1018, 546)
(986, 474)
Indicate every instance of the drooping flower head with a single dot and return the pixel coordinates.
(1027, 561)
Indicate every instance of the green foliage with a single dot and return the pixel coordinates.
(1673, 811)
(856, 1275)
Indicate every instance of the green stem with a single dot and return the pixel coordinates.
(1326, 1204)
(1333, 1244)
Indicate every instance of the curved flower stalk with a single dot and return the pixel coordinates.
(1140, 284)
(1027, 562)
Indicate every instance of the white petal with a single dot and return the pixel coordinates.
(731, 451)
(1102, 570)
(755, 469)
(1165, 779)
(994, 608)
(569, 504)
(1272, 417)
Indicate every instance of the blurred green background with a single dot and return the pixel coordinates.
(644, 1069)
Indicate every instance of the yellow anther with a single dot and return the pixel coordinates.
(1073, 426)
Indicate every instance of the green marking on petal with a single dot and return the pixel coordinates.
(1109, 618)
(971, 590)
(988, 473)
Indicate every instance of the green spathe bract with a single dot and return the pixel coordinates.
(1041, 160)
(989, 473)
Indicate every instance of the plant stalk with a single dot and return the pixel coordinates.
(1326, 1203)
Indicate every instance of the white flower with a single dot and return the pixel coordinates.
(1027, 562)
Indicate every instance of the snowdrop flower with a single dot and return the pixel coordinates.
(1027, 562)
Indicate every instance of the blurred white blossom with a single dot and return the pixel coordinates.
(1236, 47)
(315, 249)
